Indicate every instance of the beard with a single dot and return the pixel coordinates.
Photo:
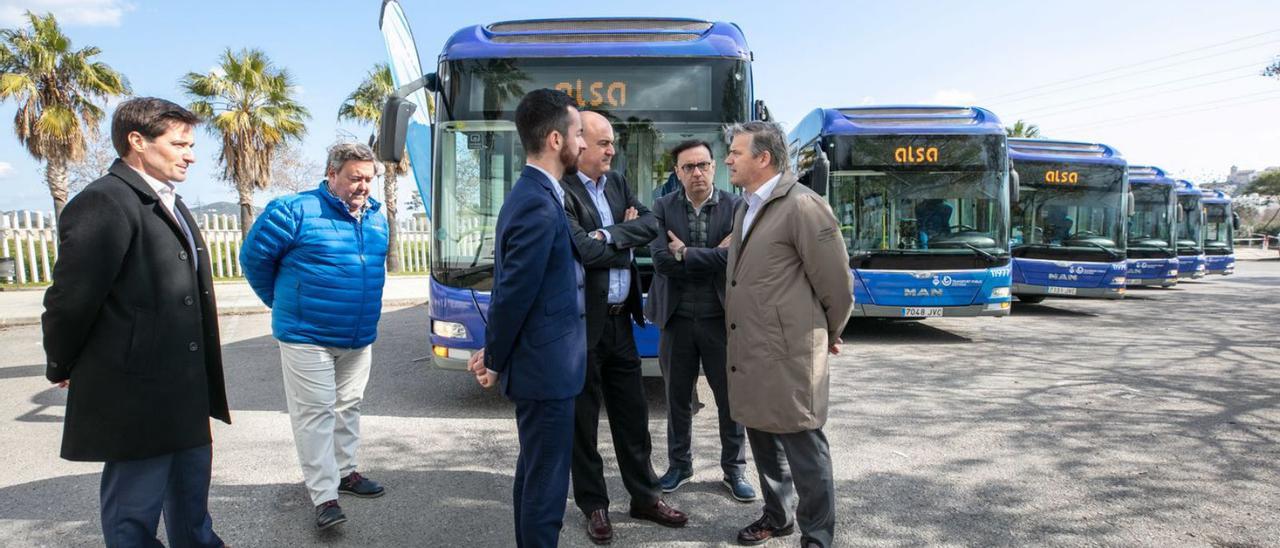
(569, 159)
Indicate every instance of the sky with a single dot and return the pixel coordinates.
(1172, 83)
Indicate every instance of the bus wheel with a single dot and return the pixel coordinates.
(1030, 299)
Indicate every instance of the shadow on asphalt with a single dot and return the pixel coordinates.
(1028, 309)
(892, 332)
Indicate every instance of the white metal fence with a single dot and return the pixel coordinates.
(30, 238)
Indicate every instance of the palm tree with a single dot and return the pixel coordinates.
(365, 105)
(249, 105)
(1024, 130)
(56, 89)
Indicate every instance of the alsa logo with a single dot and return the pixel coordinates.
(1063, 277)
(922, 292)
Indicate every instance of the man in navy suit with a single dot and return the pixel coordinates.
(536, 341)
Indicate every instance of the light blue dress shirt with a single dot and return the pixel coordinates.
(619, 278)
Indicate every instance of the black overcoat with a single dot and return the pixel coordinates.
(133, 324)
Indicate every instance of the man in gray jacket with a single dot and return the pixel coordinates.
(788, 299)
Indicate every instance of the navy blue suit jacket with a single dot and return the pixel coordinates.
(537, 336)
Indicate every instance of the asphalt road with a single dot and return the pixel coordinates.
(1149, 422)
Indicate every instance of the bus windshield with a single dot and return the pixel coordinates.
(1064, 210)
(954, 209)
(1151, 224)
(1217, 227)
(1190, 223)
(480, 155)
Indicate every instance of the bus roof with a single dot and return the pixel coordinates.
(1149, 175)
(1186, 188)
(1075, 152)
(1214, 196)
(901, 120)
(598, 37)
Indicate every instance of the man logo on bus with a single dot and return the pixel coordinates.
(915, 155)
(615, 94)
(922, 292)
(1061, 176)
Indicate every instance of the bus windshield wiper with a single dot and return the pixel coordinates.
(980, 251)
(1110, 252)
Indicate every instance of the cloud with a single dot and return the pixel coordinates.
(86, 13)
(952, 97)
(6, 169)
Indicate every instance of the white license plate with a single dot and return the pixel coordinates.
(1062, 290)
(922, 312)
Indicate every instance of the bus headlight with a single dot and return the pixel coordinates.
(1118, 280)
(999, 292)
(449, 330)
(1172, 273)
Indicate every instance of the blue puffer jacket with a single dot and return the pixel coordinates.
(319, 269)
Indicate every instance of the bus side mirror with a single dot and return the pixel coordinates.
(820, 178)
(391, 132)
(1015, 188)
(1235, 221)
(761, 112)
(1129, 205)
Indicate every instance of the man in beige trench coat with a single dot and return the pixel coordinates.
(788, 298)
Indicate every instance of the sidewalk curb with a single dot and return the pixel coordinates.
(228, 311)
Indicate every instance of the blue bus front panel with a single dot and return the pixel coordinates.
(465, 307)
(1068, 278)
(1191, 266)
(1223, 265)
(927, 294)
(1148, 272)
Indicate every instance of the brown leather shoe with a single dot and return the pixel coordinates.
(661, 514)
(599, 530)
(760, 531)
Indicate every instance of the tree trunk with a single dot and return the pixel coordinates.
(389, 207)
(55, 175)
(245, 190)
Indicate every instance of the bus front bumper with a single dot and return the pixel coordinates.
(1150, 282)
(967, 311)
(1116, 292)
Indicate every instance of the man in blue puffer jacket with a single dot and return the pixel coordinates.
(318, 259)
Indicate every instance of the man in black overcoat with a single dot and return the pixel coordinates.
(131, 330)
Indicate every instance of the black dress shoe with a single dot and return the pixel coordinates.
(329, 514)
(599, 530)
(360, 486)
(661, 514)
(760, 531)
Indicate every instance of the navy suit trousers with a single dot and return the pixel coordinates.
(545, 429)
(135, 492)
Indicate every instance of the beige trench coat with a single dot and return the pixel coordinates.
(789, 293)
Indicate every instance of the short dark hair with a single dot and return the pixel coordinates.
(540, 112)
(688, 144)
(765, 137)
(149, 116)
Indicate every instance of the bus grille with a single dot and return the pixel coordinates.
(906, 116)
(1058, 148)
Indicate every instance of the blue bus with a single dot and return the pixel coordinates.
(1220, 222)
(1068, 234)
(922, 196)
(1152, 253)
(659, 80)
(1190, 233)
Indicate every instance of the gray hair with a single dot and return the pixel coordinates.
(342, 153)
(765, 136)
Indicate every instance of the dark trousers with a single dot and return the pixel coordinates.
(614, 376)
(545, 429)
(797, 465)
(134, 493)
(683, 345)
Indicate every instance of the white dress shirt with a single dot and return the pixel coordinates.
(163, 189)
(755, 200)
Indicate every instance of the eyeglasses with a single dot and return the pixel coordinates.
(704, 167)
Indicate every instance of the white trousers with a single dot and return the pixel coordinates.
(323, 387)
